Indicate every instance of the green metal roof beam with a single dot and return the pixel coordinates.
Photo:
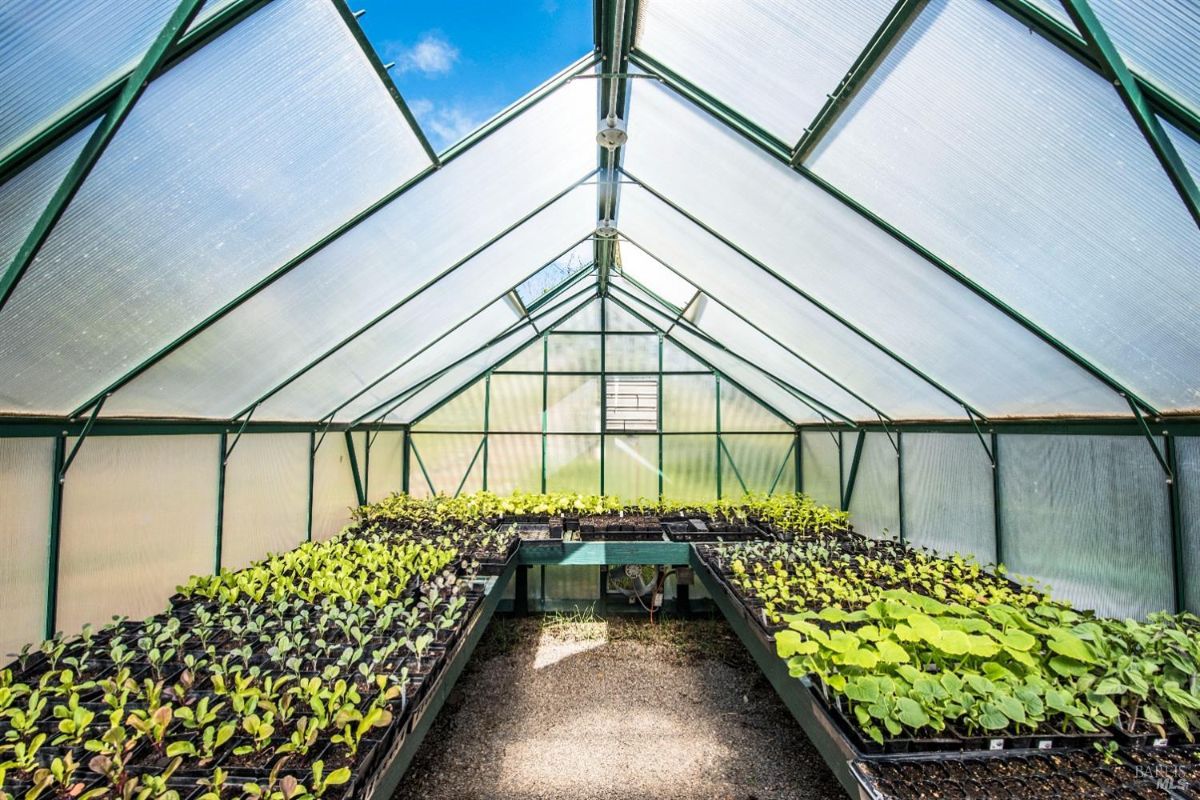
(805, 398)
(802, 293)
(527, 102)
(777, 149)
(766, 335)
(1182, 112)
(1114, 68)
(615, 29)
(881, 43)
(117, 113)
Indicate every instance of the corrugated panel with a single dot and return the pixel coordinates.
(516, 404)
(1089, 516)
(829, 250)
(741, 412)
(630, 353)
(1188, 459)
(763, 460)
(573, 353)
(689, 403)
(462, 413)
(445, 458)
(573, 464)
(819, 469)
(333, 487)
(26, 478)
(223, 171)
(797, 50)
(266, 497)
(514, 462)
(385, 473)
(875, 503)
(947, 484)
(631, 466)
(690, 467)
(1022, 167)
(573, 403)
(139, 518)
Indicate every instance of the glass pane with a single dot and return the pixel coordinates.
(58, 54)
(820, 472)
(385, 472)
(333, 488)
(464, 412)
(26, 470)
(1188, 459)
(319, 304)
(759, 461)
(1087, 515)
(573, 353)
(266, 497)
(1081, 237)
(741, 412)
(23, 197)
(689, 403)
(636, 353)
(516, 403)
(797, 51)
(631, 467)
(556, 273)
(139, 518)
(816, 242)
(875, 502)
(573, 464)
(222, 172)
(690, 468)
(364, 374)
(948, 494)
(444, 458)
(514, 461)
(573, 403)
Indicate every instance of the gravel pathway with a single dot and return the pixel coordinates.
(575, 709)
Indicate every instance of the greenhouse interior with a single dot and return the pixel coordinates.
(758, 398)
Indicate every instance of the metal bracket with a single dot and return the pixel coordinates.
(895, 442)
(991, 456)
(238, 437)
(87, 428)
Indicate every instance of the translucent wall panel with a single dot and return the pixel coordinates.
(385, 471)
(266, 497)
(464, 412)
(676, 360)
(618, 320)
(630, 353)
(333, 487)
(444, 458)
(1081, 237)
(514, 462)
(222, 172)
(741, 412)
(139, 518)
(947, 485)
(875, 503)
(588, 319)
(573, 464)
(573, 353)
(1188, 459)
(819, 468)
(56, 55)
(529, 359)
(798, 52)
(690, 467)
(26, 477)
(760, 461)
(689, 403)
(24, 196)
(1089, 516)
(631, 466)
(826, 248)
(573, 403)
(516, 403)
(397, 252)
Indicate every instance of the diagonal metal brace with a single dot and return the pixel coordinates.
(87, 428)
(1158, 453)
(238, 437)
(991, 456)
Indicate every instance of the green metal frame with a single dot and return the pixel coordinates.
(851, 479)
(359, 489)
(54, 543)
(152, 61)
(222, 465)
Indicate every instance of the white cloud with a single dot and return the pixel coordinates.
(444, 124)
(431, 55)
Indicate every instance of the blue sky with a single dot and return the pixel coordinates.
(458, 62)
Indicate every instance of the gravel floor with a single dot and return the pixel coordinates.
(558, 708)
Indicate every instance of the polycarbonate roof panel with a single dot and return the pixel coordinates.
(825, 248)
(774, 61)
(456, 379)
(24, 196)
(648, 273)
(1022, 167)
(231, 163)
(729, 365)
(315, 307)
(1187, 147)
